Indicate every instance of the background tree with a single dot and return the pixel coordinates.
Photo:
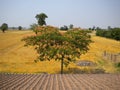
(20, 28)
(93, 28)
(64, 28)
(109, 28)
(71, 26)
(4, 27)
(113, 33)
(90, 28)
(98, 28)
(13, 28)
(51, 44)
(41, 18)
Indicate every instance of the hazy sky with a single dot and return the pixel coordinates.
(80, 13)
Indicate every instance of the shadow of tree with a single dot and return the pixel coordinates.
(83, 71)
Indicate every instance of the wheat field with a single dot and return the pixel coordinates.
(15, 58)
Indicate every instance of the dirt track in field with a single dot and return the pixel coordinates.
(59, 82)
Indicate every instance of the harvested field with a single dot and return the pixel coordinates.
(59, 82)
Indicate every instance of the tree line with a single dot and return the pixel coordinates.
(112, 33)
(5, 27)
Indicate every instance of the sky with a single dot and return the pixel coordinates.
(80, 13)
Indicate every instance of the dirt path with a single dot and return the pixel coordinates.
(59, 82)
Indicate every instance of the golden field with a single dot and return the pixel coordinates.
(15, 58)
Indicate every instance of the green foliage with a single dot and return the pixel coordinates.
(4, 27)
(71, 26)
(113, 33)
(93, 28)
(100, 33)
(117, 65)
(79, 40)
(41, 18)
(51, 44)
(64, 28)
(33, 26)
(20, 28)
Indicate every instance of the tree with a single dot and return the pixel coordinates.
(64, 28)
(113, 33)
(71, 26)
(33, 27)
(109, 28)
(13, 28)
(41, 18)
(51, 44)
(20, 28)
(93, 28)
(90, 28)
(4, 27)
(98, 28)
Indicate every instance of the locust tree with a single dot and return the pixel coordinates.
(51, 44)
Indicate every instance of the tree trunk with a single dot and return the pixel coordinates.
(3, 31)
(61, 66)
